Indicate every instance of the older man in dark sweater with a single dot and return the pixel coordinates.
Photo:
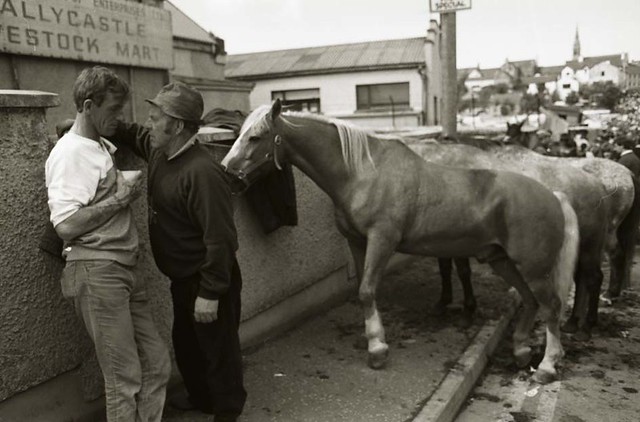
(628, 158)
(193, 238)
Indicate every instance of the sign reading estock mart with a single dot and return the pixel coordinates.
(102, 31)
(445, 6)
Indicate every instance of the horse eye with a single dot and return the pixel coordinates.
(254, 138)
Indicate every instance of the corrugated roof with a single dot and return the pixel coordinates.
(185, 27)
(387, 53)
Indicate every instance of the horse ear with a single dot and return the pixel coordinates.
(276, 108)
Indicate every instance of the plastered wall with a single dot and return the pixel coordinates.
(40, 335)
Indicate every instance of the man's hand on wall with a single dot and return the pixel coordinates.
(205, 310)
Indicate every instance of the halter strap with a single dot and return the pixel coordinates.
(248, 176)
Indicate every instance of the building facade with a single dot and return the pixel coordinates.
(148, 43)
(392, 83)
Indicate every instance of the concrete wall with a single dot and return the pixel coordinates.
(57, 76)
(287, 274)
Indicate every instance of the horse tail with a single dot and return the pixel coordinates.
(627, 232)
(568, 255)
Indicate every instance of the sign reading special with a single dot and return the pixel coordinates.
(448, 6)
(102, 31)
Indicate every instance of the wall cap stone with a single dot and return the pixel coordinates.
(13, 98)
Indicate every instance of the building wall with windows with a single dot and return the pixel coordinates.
(336, 95)
(605, 71)
(385, 83)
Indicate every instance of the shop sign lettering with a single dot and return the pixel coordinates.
(103, 31)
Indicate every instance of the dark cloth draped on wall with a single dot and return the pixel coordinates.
(271, 199)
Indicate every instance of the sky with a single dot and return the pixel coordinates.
(491, 32)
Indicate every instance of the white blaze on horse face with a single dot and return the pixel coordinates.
(253, 126)
(233, 153)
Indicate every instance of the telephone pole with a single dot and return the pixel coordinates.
(447, 10)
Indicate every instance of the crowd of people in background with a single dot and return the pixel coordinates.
(606, 145)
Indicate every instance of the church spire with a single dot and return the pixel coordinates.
(576, 47)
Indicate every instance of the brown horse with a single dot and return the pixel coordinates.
(586, 194)
(623, 197)
(389, 199)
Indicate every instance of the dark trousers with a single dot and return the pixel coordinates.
(208, 354)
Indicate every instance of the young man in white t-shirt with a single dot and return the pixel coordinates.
(89, 203)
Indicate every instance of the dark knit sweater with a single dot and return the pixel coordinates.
(191, 222)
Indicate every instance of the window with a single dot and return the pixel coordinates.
(299, 99)
(383, 96)
(602, 73)
(566, 86)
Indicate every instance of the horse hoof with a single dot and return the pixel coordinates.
(544, 377)
(522, 357)
(571, 326)
(377, 360)
(582, 335)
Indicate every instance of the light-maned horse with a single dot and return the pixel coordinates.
(388, 199)
(623, 194)
(586, 194)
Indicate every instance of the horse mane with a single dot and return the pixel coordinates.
(353, 140)
(255, 117)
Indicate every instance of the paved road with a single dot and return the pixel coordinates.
(600, 379)
(317, 372)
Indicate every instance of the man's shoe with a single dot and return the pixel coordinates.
(182, 402)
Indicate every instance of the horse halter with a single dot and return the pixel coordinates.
(245, 178)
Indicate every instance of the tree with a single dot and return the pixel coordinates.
(603, 94)
(572, 98)
(530, 103)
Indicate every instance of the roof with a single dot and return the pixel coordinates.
(539, 79)
(564, 109)
(185, 27)
(386, 54)
(551, 70)
(615, 59)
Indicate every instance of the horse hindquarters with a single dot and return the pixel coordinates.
(622, 256)
(553, 303)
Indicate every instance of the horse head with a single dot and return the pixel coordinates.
(257, 151)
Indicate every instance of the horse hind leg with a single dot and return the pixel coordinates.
(506, 269)
(464, 274)
(445, 266)
(551, 312)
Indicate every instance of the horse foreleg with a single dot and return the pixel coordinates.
(506, 269)
(445, 265)
(379, 250)
(464, 274)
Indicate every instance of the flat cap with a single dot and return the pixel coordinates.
(180, 101)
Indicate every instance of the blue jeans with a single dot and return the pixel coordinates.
(134, 359)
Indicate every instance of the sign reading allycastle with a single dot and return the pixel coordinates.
(103, 31)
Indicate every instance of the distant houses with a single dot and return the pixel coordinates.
(563, 79)
(398, 83)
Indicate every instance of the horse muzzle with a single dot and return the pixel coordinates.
(241, 179)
